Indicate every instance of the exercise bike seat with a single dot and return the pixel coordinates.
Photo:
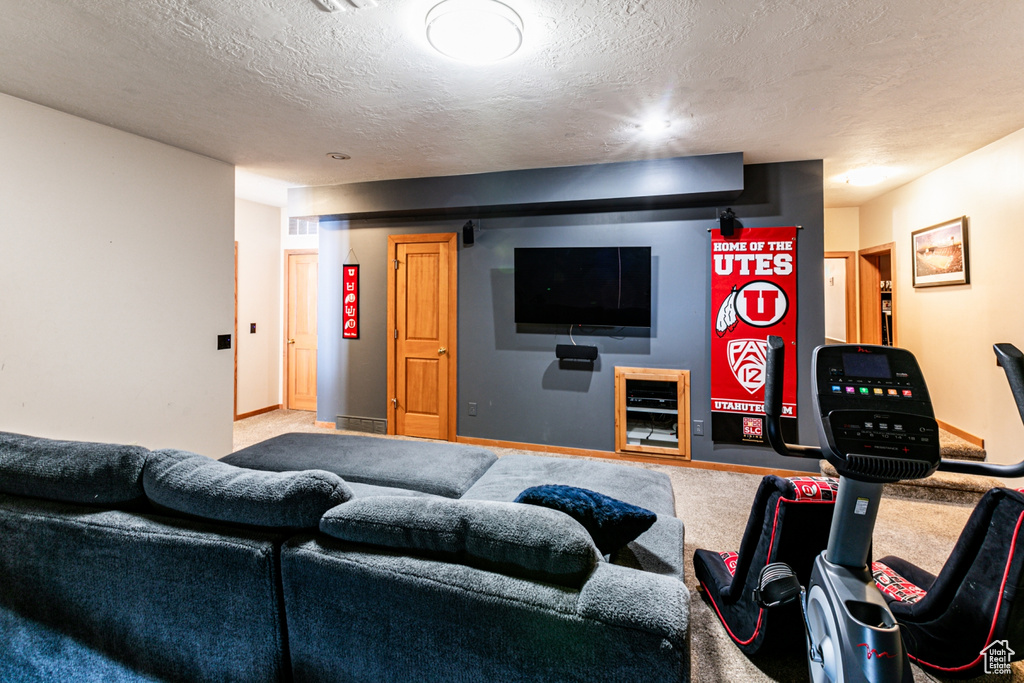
(789, 522)
(949, 621)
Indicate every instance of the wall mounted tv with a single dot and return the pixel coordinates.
(591, 286)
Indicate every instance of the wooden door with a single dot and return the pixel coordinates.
(422, 304)
(300, 330)
(877, 266)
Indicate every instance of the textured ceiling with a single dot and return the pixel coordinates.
(272, 86)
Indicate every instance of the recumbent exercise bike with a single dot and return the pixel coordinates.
(875, 425)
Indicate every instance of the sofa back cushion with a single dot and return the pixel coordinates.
(111, 595)
(200, 487)
(101, 474)
(510, 538)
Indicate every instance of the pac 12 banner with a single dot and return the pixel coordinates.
(350, 302)
(753, 295)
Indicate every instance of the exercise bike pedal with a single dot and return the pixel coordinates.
(777, 584)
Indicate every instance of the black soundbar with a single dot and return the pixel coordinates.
(575, 352)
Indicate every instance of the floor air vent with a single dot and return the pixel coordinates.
(371, 425)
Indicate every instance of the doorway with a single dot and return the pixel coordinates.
(877, 271)
(422, 335)
(840, 297)
(301, 267)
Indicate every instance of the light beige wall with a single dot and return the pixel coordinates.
(117, 278)
(842, 229)
(258, 232)
(951, 329)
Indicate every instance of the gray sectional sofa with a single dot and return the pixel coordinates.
(363, 559)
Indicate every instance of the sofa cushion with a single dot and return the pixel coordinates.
(513, 473)
(71, 471)
(611, 523)
(518, 540)
(200, 487)
(438, 467)
(659, 549)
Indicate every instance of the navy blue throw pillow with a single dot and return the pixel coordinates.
(612, 523)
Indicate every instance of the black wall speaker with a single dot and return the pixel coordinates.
(727, 223)
(575, 352)
(467, 234)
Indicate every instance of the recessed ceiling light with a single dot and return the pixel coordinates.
(339, 156)
(654, 126)
(475, 31)
(863, 177)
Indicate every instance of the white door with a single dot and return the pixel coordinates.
(835, 300)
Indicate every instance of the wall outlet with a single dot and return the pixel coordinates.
(698, 427)
(472, 409)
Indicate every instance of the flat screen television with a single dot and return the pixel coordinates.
(591, 286)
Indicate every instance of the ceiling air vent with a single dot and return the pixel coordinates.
(303, 225)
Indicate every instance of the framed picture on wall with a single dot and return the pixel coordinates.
(940, 254)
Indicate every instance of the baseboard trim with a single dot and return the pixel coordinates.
(966, 436)
(632, 457)
(324, 425)
(261, 411)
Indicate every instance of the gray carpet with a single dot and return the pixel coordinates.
(715, 506)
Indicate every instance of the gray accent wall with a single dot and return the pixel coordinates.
(523, 394)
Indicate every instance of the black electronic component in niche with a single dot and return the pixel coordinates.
(651, 394)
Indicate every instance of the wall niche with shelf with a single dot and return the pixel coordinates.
(652, 411)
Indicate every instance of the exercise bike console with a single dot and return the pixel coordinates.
(876, 420)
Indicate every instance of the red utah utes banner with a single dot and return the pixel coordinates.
(753, 295)
(350, 302)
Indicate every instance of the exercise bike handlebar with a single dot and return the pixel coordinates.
(775, 362)
(1008, 357)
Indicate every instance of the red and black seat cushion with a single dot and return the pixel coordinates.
(789, 522)
(948, 621)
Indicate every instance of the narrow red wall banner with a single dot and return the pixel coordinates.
(753, 295)
(350, 302)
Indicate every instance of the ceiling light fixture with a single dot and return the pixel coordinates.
(475, 31)
(654, 126)
(863, 177)
(338, 156)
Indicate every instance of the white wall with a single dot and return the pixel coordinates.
(258, 232)
(117, 277)
(951, 329)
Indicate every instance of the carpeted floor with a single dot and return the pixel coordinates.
(714, 507)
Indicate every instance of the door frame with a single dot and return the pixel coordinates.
(284, 321)
(870, 292)
(852, 332)
(452, 238)
(234, 345)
